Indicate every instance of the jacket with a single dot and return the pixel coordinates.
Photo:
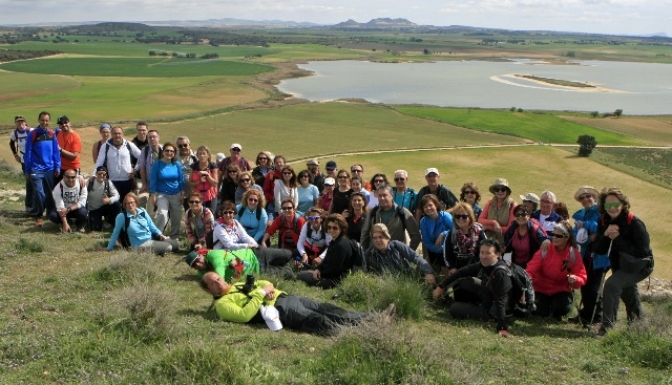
(550, 221)
(632, 239)
(339, 259)
(549, 273)
(190, 225)
(231, 237)
(590, 217)
(140, 228)
(41, 152)
(394, 225)
(219, 261)
(397, 258)
(236, 306)
(166, 178)
(451, 251)
(431, 229)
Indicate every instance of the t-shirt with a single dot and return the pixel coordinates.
(72, 143)
(341, 201)
(521, 248)
(307, 197)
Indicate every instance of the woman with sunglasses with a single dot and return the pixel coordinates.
(229, 234)
(205, 177)
(524, 237)
(264, 165)
(339, 258)
(556, 272)
(497, 215)
(623, 236)
(229, 184)
(289, 224)
(252, 215)
(198, 221)
(166, 188)
(355, 215)
(460, 247)
(286, 187)
(470, 194)
(245, 184)
(308, 193)
(341, 193)
(313, 239)
(377, 180)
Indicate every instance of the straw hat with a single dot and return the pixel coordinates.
(586, 190)
(499, 182)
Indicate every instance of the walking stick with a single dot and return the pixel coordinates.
(600, 292)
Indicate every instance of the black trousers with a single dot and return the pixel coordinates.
(556, 305)
(307, 315)
(274, 261)
(589, 296)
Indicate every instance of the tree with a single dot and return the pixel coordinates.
(587, 143)
(594, 114)
(426, 52)
(618, 113)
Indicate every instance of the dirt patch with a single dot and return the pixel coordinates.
(655, 130)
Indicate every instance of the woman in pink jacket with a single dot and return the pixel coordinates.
(556, 272)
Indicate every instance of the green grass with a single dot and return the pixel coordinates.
(132, 67)
(539, 127)
(652, 165)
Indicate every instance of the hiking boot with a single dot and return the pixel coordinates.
(38, 222)
(601, 333)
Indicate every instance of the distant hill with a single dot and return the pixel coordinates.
(380, 23)
(229, 22)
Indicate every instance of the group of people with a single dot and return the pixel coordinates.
(326, 225)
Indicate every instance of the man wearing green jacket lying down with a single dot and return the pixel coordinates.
(232, 265)
(236, 304)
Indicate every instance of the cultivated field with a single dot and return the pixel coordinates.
(654, 130)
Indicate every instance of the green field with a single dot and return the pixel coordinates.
(132, 67)
(539, 127)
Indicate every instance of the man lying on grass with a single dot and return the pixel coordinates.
(242, 302)
(234, 264)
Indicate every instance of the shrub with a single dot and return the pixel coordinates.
(127, 269)
(29, 246)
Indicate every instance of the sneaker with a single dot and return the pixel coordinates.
(38, 222)
(82, 229)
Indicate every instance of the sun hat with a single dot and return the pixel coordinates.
(220, 157)
(499, 182)
(313, 161)
(586, 190)
(531, 197)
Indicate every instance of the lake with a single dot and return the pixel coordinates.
(636, 88)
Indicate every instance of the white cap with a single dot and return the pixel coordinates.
(582, 236)
(272, 318)
(236, 145)
(432, 170)
(220, 157)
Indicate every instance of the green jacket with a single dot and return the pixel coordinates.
(236, 306)
(219, 261)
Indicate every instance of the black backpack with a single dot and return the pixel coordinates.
(123, 234)
(106, 189)
(522, 293)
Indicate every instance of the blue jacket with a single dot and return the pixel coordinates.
(43, 154)
(590, 218)
(432, 229)
(140, 228)
(253, 227)
(166, 178)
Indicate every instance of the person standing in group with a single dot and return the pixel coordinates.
(470, 194)
(355, 216)
(235, 158)
(546, 216)
(316, 178)
(341, 193)
(286, 187)
(443, 193)
(497, 214)
(435, 226)
(42, 166)
(71, 146)
(308, 193)
(115, 156)
(622, 236)
(166, 186)
(399, 221)
(404, 196)
(140, 140)
(186, 157)
(17, 143)
(205, 178)
(245, 184)
(269, 185)
(152, 152)
(105, 134)
(524, 237)
(378, 179)
(327, 195)
(264, 165)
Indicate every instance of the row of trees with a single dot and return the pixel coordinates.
(184, 55)
(13, 55)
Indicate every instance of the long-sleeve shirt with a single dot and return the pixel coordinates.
(236, 306)
(282, 192)
(589, 217)
(166, 178)
(397, 258)
(42, 153)
(140, 228)
(318, 240)
(219, 261)
(65, 196)
(254, 228)
(118, 163)
(95, 197)
(198, 227)
(394, 224)
(231, 237)
(431, 229)
(549, 273)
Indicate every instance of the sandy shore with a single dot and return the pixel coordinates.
(511, 80)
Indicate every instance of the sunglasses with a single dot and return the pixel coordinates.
(288, 208)
(71, 177)
(461, 216)
(101, 173)
(235, 149)
(556, 235)
(194, 202)
(252, 200)
(585, 196)
(499, 189)
(614, 205)
(233, 171)
(521, 215)
(399, 179)
(228, 212)
(245, 180)
(469, 192)
(378, 180)
(342, 177)
(262, 158)
(169, 151)
(333, 228)
(182, 145)
(314, 218)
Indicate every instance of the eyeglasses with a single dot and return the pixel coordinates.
(182, 145)
(399, 179)
(232, 171)
(194, 202)
(287, 173)
(262, 158)
(228, 212)
(235, 149)
(461, 216)
(169, 151)
(342, 177)
(354, 171)
(314, 217)
(245, 180)
(556, 235)
(252, 200)
(614, 205)
(585, 196)
(469, 192)
(288, 208)
(521, 215)
(378, 180)
(71, 176)
(333, 228)
(499, 189)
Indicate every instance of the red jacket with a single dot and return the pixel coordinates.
(549, 275)
(294, 226)
(269, 186)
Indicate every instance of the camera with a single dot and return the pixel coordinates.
(249, 284)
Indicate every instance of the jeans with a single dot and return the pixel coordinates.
(305, 314)
(43, 183)
(79, 215)
(556, 305)
(28, 201)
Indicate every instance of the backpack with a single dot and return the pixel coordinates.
(522, 291)
(123, 234)
(147, 147)
(400, 213)
(242, 211)
(359, 262)
(444, 195)
(107, 148)
(106, 188)
(572, 255)
(48, 135)
(81, 186)
(295, 227)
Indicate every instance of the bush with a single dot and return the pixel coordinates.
(128, 269)
(28, 246)
(408, 293)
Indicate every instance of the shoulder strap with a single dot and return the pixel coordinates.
(107, 148)
(61, 184)
(374, 211)
(402, 217)
(631, 216)
(89, 185)
(241, 211)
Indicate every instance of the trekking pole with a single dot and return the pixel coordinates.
(600, 292)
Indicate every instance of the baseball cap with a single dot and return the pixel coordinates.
(236, 145)
(331, 165)
(19, 118)
(432, 170)
(329, 181)
(62, 119)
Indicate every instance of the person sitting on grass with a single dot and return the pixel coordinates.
(488, 280)
(394, 257)
(102, 200)
(235, 304)
(288, 224)
(234, 265)
(229, 234)
(199, 222)
(139, 232)
(70, 198)
(313, 240)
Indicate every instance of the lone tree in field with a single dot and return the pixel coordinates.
(618, 113)
(588, 143)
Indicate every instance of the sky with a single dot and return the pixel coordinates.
(619, 17)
